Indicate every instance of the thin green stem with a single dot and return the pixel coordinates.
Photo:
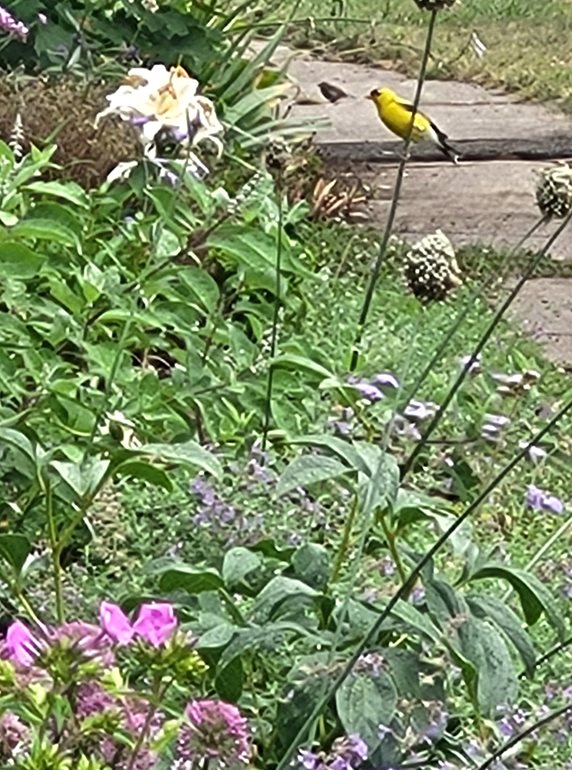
(393, 549)
(395, 199)
(487, 334)
(406, 587)
(158, 693)
(516, 739)
(556, 650)
(55, 554)
(344, 545)
(275, 315)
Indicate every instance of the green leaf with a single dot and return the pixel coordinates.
(301, 363)
(535, 598)
(229, 681)
(19, 441)
(138, 469)
(46, 230)
(417, 620)
(216, 637)
(237, 564)
(190, 579)
(488, 607)
(188, 453)
(482, 644)
(311, 563)
(68, 191)
(344, 450)
(379, 490)
(19, 261)
(309, 469)
(364, 703)
(83, 480)
(14, 550)
(277, 591)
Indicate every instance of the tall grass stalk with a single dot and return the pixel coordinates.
(485, 337)
(395, 198)
(276, 311)
(406, 587)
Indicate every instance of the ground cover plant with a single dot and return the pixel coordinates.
(276, 491)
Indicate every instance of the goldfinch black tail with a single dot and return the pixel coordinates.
(443, 144)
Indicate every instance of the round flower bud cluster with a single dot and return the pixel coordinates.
(554, 191)
(431, 269)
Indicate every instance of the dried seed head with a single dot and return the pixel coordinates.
(434, 5)
(431, 269)
(554, 191)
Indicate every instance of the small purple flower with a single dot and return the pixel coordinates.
(309, 760)
(539, 500)
(368, 391)
(473, 365)
(420, 410)
(13, 733)
(12, 26)
(535, 453)
(386, 380)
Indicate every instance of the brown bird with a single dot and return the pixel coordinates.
(331, 93)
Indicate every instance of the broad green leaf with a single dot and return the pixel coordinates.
(193, 580)
(229, 681)
(68, 191)
(216, 637)
(379, 489)
(535, 598)
(365, 703)
(301, 363)
(344, 450)
(482, 644)
(417, 620)
(443, 601)
(277, 591)
(83, 480)
(138, 469)
(47, 230)
(19, 441)
(237, 564)
(19, 261)
(188, 453)
(203, 286)
(14, 550)
(307, 470)
(502, 615)
(311, 563)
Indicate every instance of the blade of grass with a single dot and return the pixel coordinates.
(395, 199)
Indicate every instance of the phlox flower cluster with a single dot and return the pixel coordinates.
(114, 725)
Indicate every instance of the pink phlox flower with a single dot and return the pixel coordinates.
(155, 623)
(21, 645)
(214, 731)
(115, 623)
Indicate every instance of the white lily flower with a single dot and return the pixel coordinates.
(158, 99)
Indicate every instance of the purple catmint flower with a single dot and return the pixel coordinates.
(369, 392)
(12, 25)
(156, 623)
(539, 500)
(386, 380)
(214, 732)
(473, 364)
(420, 410)
(535, 453)
(309, 760)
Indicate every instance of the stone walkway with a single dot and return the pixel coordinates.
(482, 202)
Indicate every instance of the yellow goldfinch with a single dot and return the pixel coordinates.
(396, 113)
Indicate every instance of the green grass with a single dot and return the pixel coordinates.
(527, 40)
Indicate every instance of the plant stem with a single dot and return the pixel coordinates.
(159, 690)
(55, 554)
(393, 549)
(395, 199)
(404, 589)
(345, 539)
(275, 315)
(487, 334)
(515, 740)
(552, 652)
